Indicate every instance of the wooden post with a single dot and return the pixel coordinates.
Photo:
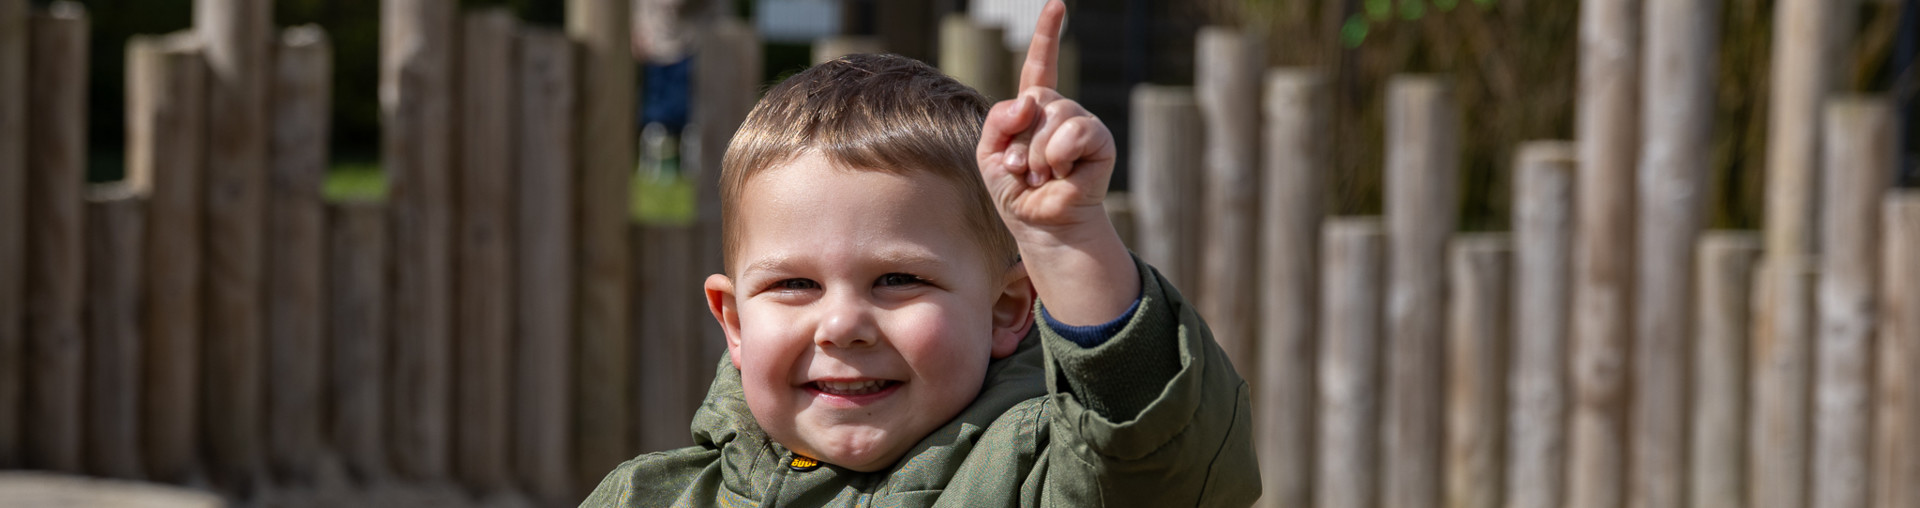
(1724, 265)
(1480, 324)
(1543, 235)
(56, 241)
(902, 27)
(829, 48)
(544, 266)
(604, 138)
(977, 56)
(115, 228)
(1780, 369)
(357, 265)
(730, 79)
(1297, 156)
(666, 388)
(416, 65)
(1808, 48)
(484, 288)
(1423, 158)
(238, 36)
(1897, 430)
(1606, 126)
(13, 222)
(1862, 153)
(1350, 363)
(166, 142)
(1808, 42)
(296, 250)
(1682, 37)
(1166, 190)
(1227, 74)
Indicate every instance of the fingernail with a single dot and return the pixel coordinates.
(1034, 179)
(1016, 160)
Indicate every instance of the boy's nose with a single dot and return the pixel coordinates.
(847, 322)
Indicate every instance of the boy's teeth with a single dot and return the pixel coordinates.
(853, 388)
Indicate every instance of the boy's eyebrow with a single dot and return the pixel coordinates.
(910, 257)
(915, 258)
(766, 264)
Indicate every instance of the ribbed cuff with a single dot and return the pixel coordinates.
(1092, 335)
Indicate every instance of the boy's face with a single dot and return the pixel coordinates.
(863, 314)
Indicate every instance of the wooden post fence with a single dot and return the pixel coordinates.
(1422, 173)
(166, 125)
(730, 81)
(667, 387)
(1480, 329)
(56, 240)
(1296, 158)
(296, 250)
(1164, 146)
(1781, 369)
(1682, 37)
(416, 66)
(902, 27)
(1724, 267)
(13, 223)
(484, 288)
(1896, 448)
(238, 38)
(977, 56)
(116, 225)
(1606, 126)
(829, 48)
(544, 263)
(1807, 48)
(1227, 79)
(358, 259)
(604, 143)
(1350, 363)
(1862, 153)
(1543, 257)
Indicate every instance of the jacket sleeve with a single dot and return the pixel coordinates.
(1155, 416)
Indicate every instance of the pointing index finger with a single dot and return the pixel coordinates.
(1043, 53)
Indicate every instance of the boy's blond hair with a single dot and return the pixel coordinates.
(883, 113)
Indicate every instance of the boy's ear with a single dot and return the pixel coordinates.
(720, 300)
(1012, 311)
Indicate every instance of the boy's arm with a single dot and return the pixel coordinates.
(1046, 162)
(1153, 415)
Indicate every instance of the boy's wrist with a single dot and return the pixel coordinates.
(1087, 225)
(1082, 272)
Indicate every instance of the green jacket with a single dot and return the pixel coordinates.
(1156, 416)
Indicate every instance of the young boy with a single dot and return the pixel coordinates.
(885, 347)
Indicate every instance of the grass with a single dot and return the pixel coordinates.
(667, 200)
(355, 181)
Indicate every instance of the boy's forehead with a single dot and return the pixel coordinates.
(812, 199)
(809, 175)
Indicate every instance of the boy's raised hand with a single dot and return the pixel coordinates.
(1047, 162)
(1046, 159)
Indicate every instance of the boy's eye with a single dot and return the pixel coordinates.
(795, 285)
(898, 279)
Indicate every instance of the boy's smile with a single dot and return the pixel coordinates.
(862, 313)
